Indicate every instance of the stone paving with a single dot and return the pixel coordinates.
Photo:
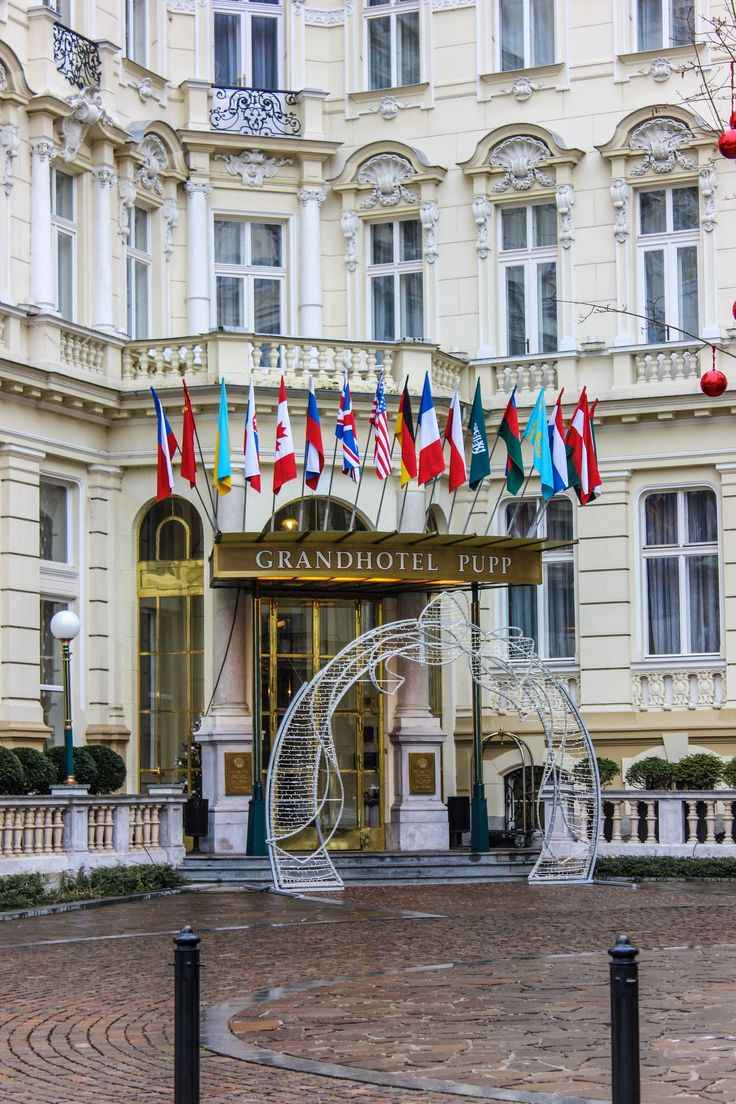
(416, 995)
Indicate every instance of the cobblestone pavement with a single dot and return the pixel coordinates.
(497, 991)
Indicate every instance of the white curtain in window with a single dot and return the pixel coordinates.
(264, 52)
(663, 605)
(705, 633)
(379, 53)
(407, 32)
(227, 50)
(649, 24)
(523, 611)
(542, 15)
(560, 596)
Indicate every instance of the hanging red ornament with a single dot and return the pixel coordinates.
(713, 383)
(733, 309)
(727, 143)
(732, 120)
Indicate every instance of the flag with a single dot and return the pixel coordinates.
(284, 465)
(166, 447)
(582, 463)
(381, 445)
(222, 471)
(345, 431)
(480, 457)
(314, 452)
(251, 452)
(188, 460)
(509, 434)
(597, 489)
(431, 460)
(556, 432)
(536, 432)
(404, 432)
(454, 434)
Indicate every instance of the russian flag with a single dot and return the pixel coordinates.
(314, 454)
(251, 452)
(431, 460)
(167, 446)
(556, 431)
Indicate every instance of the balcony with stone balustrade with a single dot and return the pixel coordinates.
(700, 823)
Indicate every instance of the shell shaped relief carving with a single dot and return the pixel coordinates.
(660, 139)
(386, 172)
(155, 161)
(520, 157)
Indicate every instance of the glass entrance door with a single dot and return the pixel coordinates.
(297, 639)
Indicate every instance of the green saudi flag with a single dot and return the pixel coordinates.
(480, 458)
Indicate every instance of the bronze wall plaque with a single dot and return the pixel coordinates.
(238, 773)
(422, 773)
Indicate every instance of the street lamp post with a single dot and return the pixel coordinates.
(478, 804)
(65, 626)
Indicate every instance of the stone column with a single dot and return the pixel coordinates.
(104, 178)
(417, 821)
(621, 200)
(9, 147)
(310, 263)
(42, 294)
(198, 268)
(21, 716)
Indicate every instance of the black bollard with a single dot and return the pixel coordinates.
(624, 1023)
(186, 1017)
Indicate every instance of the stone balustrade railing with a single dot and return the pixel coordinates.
(65, 832)
(664, 822)
(525, 375)
(668, 365)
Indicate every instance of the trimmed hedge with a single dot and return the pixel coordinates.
(664, 866)
(111, 769)
(607, 769)
(40, 772)
(12, 775)
(700, 771)
(652, 773)
(85, 770)
(24, 891)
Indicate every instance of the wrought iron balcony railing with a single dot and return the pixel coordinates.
(255, 111)
(77, 58)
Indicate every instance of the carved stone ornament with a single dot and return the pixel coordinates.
(429, 214)
(389, 107)
(314, 17)
(661, 140)
(144, 88)
(104, 175)
(660, 69)
(43, 148)
(520, 157)
(311, 195)
(197, 187)
(349, 223)
(252, 166)
(182, 7)
(88, 110)
(155, 161)
(3, 78)
(565, 201)
(482, 215)
(708, 180)
(620, 192)
(446, 5)
(126, 191)
(170, 215)
(9, 146)
(386, 172)
(522, 89)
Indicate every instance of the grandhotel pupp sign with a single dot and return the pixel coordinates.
(391, 558)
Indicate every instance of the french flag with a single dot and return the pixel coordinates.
(431, 460)
(167, 446)
(314, 455)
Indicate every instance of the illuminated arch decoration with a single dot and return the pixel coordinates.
(304, 790)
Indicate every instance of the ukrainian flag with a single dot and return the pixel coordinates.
(222, 472)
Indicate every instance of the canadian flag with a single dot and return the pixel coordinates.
(284, 467)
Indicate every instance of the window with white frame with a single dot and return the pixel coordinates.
(393, 51)
(528, 261)
(51, 687)
(396, 279)
(136, 31)
(669, 225)
(250, 275)
(247, 43)
(546, 613)
(53, 537)
(526, 33)
(138, 273)
(64, 222)
(681, 573)
(663, 23)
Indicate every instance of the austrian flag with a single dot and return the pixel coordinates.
(582, 461)
(454, 434)
(284, 467)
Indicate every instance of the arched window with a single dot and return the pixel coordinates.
(309, 513)
(170, 642)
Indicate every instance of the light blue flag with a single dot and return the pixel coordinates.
(536, 432)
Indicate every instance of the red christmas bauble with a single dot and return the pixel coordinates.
(733, 309)
(727, 143)
(713, 383)
(732, 120)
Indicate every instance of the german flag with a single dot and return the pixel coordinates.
(404, 432)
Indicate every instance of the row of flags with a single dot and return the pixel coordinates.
(562, 458)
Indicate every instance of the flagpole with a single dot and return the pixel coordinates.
(273, 513)
(493, 512)
(385, 482)
(403, 504)
(519, 499)
(477, 489)
(542, 510)
(360, 477)
(206, 477)
(301, 500)
(206, 510)
(245, 495)
(452, 507)
(329, 489)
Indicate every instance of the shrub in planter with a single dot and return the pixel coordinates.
(701, 771)
(85, 771)
(607, 769)
(729, 773)
(651, 773)
(111, 769)
(12, 775)
(40, 772)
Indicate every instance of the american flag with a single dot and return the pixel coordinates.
(382, 447)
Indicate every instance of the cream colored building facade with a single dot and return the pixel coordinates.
(447, 184)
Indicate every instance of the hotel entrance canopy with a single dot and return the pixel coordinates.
(432, 561)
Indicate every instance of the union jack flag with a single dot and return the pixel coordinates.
(379, 420)
(345, 431)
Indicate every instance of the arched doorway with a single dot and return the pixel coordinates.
(170, 642)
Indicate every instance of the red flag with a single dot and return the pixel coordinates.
(585, 477)
(454, 434)
(284, 467)
(188, 460)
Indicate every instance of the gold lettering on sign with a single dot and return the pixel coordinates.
(422, 776)
(238, 773)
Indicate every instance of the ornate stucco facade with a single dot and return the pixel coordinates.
(155, 224)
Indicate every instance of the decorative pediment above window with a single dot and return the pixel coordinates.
(517, 162)
(656, 144)
(386, 176)
(13, 83)
(660, 139)
(521, 158)
(155, 162)
(154, 156)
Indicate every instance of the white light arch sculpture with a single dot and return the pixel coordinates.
(304, 789)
